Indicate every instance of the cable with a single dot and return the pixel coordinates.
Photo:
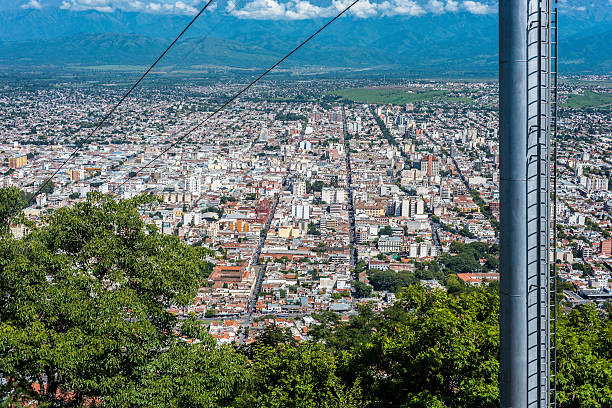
(202, 40)
(243, 90)
(109, 113)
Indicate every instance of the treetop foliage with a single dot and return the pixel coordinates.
(85, 321)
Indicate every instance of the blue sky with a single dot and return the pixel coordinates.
(295, 9)
(276, 9)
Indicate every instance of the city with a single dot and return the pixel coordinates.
(316, 203)
(305, 204)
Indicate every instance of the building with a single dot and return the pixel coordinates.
(18, 161)
(299, 189)
(193, 184)
(412, 206)
(586, 251)
(332, 195)
(300, 211)
(374, 209)
(430, 165)
(389, 244)
(334, 116)
(240, 226)
(595, 183)
(477, 279)
(605, 247)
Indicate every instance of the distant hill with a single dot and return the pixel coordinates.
(432, 43)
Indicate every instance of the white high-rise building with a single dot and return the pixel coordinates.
(328, 195)
(300, 211)
(340, 196)
(193, 184)
(412, 206)
(299, 189)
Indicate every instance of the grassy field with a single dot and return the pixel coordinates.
(589, 100)
(396, 96)
(121, 68)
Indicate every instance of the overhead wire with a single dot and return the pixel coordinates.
(230, 100)
(114, 108)
(202, 40)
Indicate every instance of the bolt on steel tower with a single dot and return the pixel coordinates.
(525, 55)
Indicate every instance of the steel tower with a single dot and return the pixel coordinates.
(526, 100)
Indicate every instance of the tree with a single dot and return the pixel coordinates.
(362, 290)
(47, 187)
(386, 230)
(390, 280)
(273, 336)
(187, 375)
(11, 204)
(584, 355)
(312, 229)
(85, 299)
(433, 349)
(301, 376)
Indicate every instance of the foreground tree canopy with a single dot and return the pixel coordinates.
(84, 321)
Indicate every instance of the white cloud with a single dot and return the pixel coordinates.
(304, 9)
(452, 6)
(362, 9)
(261, 9)
(32, 4)
(159, 6)
(104, 6)
(400, 8)
(272, 9)
(440, 6)
(284, 9)
(476, 7)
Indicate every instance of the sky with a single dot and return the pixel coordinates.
(276, 9)
(295, 9)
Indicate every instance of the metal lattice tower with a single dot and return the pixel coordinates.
(527, 95)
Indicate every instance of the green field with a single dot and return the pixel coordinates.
(589, 100)
(397, 96)
(121, 68)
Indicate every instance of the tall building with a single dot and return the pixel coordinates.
(18, 161)
(606, 247)
(597, 183)
(300, 211)
(263, 134)
(578, 170)
(340, 196)
(334, 116)
(412, 206)
(193, 184)
(430, 165)
(299, 188)
(328, 195)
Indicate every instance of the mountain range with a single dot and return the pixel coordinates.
(458, 42)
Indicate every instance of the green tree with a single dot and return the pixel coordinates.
(301, 376)
(11, 204)
(386, 230)
(187, 375)
(389, 280)
(47, 187)
(584, 354)
(362, 290)
(433, 349)
(312, 229)
(85, 299)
